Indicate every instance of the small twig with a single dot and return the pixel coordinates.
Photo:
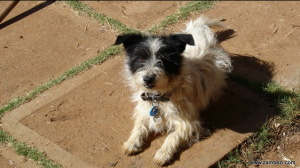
(114, 129)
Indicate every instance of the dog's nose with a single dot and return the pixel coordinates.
(149, 79)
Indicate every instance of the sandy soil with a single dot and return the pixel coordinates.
(263, 43)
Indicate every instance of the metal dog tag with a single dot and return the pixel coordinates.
(154, 111)
(157, 119)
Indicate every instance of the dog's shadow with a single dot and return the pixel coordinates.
(238, 103)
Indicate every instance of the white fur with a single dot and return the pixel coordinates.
(201, 79)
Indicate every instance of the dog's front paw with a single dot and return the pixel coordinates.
(162, 157)
(130, 148)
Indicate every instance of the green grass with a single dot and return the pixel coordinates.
(286, 102)
(183, 13)
(287, 105)
(116, 25)
(26, 151)
(232, 159)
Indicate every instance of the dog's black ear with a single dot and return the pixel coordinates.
(185, 38)
(129, 39)
(181, 40)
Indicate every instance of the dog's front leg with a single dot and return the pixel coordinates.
(136, 140)
(170, 146)
(179, 137)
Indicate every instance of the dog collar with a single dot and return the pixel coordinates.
(146, 96)
(154, 98)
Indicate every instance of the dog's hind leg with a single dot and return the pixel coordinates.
(136, 140)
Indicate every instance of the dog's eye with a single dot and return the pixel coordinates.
(141, 58)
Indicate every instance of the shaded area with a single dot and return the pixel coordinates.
(237, 104)
(225, 35)
(25, 14)
(8, 10)
(238, 108)
(252, 68)
(246, 65)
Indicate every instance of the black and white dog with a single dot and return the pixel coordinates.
(172, 78)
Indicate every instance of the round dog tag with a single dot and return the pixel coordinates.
(154, 111)
(157, 119)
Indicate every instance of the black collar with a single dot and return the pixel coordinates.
(146, 96)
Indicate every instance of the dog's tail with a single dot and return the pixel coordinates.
(203, 20)
(206, 47)
(200, 30)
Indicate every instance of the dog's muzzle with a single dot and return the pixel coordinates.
(149, 81)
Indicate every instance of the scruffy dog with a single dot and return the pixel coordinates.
(173, 78)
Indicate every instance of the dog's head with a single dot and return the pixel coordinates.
(154, 61)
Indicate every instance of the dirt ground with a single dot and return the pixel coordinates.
(34, 50)
(93, 120)
(137, 14)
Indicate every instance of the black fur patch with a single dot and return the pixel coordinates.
(169, 53)
(137, 57)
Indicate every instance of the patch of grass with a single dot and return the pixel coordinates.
(287, 105)
(232, 159)
(34, 154)
(5, 137)
(120, 27)
(254, 145)
(286, 102)
(26, 151)
(12, 104)
(183, 13)
(263, 138)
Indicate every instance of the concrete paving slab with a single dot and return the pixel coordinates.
(85, 120)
